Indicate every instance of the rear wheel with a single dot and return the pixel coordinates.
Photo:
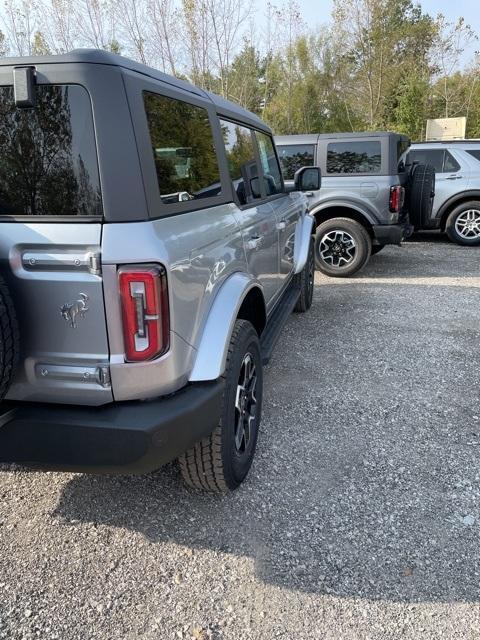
(9, 340)
(306, 281)
(221, 462)
(342, 247)
(463, 224)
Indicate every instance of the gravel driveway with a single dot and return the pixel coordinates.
(361, 516)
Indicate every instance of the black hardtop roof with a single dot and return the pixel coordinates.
(307, 138)
(98, 56)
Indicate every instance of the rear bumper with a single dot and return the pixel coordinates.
(389, 233)
(125, 437)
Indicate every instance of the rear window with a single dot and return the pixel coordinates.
(475, 153)
(48, 161)
(354, 157)
(295, 156)
(183, 149)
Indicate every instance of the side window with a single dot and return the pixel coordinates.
(295, 156)
(183, 149)
(271, 169)
(475, 153)
(450, 165)
(433, 157)
(354, 157)
(242, 162)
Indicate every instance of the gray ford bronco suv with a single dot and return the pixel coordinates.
(368, 199)
(150, 255)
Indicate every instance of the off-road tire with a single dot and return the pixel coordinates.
(454, 236)
(362, 240)
(420, 194)
(213, 464)
(306, 281)
(9, 339)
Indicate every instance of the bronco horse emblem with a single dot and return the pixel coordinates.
(71, 310)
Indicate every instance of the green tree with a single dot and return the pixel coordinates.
(383, 40)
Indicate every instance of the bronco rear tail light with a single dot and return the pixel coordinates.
(146, 321)
(397, 196)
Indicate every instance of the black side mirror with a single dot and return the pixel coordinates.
(308, 179)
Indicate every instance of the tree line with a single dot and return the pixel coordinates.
(377, 64)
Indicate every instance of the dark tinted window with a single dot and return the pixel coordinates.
(475, 153)
(183, 149)
(354, 157)
(402, 146)
(450, 164)
(270, 166)
(48, 160)
(242, 163)
(433, 157)
(295, 156)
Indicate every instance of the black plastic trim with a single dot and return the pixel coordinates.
(123, 437)
(388, 233)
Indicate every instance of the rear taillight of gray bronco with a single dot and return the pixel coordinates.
(145, 311)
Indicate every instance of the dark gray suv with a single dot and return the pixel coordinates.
(366, 195)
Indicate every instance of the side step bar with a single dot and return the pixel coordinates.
(277, 321)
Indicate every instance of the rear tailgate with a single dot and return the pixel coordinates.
(50, 238)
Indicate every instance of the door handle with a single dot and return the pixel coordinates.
(254, 242)
(309, 194)
(281, 226)
(454, 178)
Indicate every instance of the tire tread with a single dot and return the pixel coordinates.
(202, 465)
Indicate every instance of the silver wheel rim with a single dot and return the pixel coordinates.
(338, 248)
(245, 404)
(467, 224)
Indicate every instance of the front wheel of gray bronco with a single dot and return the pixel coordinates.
(342, 247)
(463, 224)
(221, 462)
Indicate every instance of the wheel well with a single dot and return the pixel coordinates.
(253, 310)
(452, 206)
(343, 212)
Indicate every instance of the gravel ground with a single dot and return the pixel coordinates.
(360, 518)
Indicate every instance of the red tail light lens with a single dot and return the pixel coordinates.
(397, 196)
(146, 321)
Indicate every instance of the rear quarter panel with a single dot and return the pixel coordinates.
(199, 251)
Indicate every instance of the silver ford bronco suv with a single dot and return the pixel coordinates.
(150, 255)
(369, 197)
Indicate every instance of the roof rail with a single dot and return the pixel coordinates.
(456, 141)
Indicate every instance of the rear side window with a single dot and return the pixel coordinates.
(449, 163)
(183, 149)
(475, 153)
(271, 168)
(354, 157)
(295, 156)
(242, 162)
(433, 157)
(48, 158)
